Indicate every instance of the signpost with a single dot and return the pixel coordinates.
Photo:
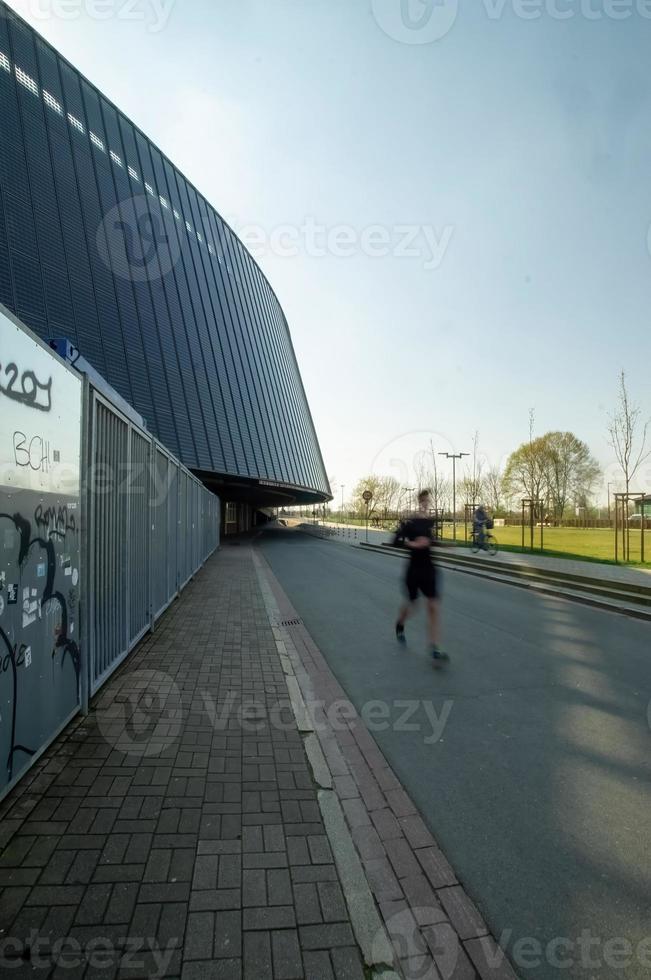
(367, 497)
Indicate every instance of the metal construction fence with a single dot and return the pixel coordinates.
(151, 525)
(100, 529)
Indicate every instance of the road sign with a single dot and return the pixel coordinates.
(367, 496)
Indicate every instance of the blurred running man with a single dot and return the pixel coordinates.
(422, 576)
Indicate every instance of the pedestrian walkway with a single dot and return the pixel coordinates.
(182, 831)
(164, 835)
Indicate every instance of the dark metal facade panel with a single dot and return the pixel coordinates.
(102, 240)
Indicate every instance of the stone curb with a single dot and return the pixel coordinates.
(367, 924)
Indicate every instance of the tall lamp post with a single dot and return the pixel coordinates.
(342, 485)
(454, 457)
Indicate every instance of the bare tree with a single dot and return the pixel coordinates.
(493, 488)
(472, 483)
(439, 487)
(628, 438)
(628, 434)
(389, 495)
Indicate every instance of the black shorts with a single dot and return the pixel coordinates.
(422, 578)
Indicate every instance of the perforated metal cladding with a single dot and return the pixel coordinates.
(192, 335)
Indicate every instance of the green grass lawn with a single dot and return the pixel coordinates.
(590, 544)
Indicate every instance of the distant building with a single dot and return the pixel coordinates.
(643, 506)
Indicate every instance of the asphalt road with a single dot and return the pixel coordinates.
(538, 788)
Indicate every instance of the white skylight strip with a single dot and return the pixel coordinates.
(76, 123)
(52, 103)
(26, 80)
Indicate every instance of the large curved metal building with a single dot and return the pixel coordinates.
(104, 242)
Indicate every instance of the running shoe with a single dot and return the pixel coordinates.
(438, 656)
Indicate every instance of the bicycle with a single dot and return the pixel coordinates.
(489, 543)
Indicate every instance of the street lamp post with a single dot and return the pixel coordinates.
(342, 485)
(454, 457)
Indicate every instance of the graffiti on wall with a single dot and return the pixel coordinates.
(40, 433)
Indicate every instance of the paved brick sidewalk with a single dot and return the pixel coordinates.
(167, 834)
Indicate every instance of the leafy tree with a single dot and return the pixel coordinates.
(571, 471)
(558, 466)
(525, 474)
(371, 483)
(386, 495)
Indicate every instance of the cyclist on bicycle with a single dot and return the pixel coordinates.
(479, 525)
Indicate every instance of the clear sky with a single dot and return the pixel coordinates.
(504, 145)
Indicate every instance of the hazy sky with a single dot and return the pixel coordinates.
(504, 146)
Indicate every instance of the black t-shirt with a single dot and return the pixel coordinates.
(417, 527)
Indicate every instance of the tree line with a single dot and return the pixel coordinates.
(556, 470)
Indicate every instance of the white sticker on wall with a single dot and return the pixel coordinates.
(2, 605)
(28, 657)
(75, 576)
(31, 607)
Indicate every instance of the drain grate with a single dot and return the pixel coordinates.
(290, 622)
